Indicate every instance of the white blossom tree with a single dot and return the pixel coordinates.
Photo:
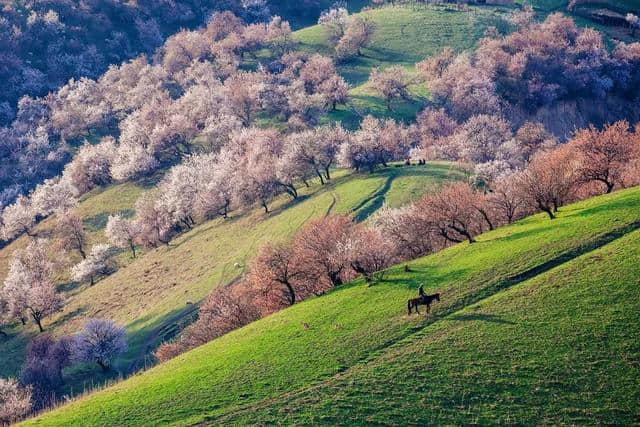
(71, 232)
(99, 262)
(28, 287)
(18, 218)
(15, 401)
(122, 233)
(53, 195)
(91, 165)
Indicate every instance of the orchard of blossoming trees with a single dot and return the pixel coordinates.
(194, 115)
(328, 252)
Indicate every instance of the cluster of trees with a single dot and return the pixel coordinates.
(532, 70)
(257, 165)
(330, 251)
(15, 401)
(44, 44)
(347, 34)
(324, 254)
(99, 342)
(193, 94)
(29, 290)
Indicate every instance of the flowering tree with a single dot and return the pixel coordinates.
(316, 149)
(369, 252)
(53, 195)
(70, 230)
(45, 359)
(276, 273)
(122, 233)
(411, 235)
(453, 212)
(357, 35)
(335, 21)
(347, 34)
(91, 166)
(633, 21)
(99, 263)
(242, 92)
(482, 138)
(18, 218)
(375, 143)
(100, 341)
(532, 137)
(392, 83)
(507, 201)
(28, 286)
(549, 180)
(15, 401)
(606, 155)
(320, 248)
(153, 221)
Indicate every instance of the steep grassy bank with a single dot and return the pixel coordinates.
(322, 341)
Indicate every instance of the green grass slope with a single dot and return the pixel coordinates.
(560, 335)
(149, 294)
(404, 35)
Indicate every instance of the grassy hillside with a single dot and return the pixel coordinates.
(149, 295)
(566, 321)
(404, 35)
(407, 34)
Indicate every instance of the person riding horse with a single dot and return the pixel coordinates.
(423, 299)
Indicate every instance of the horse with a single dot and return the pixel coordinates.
(422, 300)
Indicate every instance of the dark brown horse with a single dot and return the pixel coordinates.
(422, 300)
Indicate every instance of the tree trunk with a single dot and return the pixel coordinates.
(292, 293)
(38, 321)
(464, 232)
(326, 172)
(486, 218)
(133, 248)
(264, 205)
(609, 185)
(225, 210)
(319, 175)
(335, 279)
(549, 212)
(82, 252)
(104, 367)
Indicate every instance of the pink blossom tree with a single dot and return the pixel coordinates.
(28, 287)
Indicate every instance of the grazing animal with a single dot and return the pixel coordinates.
(422, 300)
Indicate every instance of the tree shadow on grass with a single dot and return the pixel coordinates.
(483, 317)
(99, 222)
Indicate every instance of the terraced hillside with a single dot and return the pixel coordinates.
(538, 323)
(149, 294)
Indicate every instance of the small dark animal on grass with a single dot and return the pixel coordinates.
(422, 300)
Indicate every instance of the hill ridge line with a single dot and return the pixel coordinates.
(415, 332)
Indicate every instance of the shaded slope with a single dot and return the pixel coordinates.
(149, 294)
(347, 329)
